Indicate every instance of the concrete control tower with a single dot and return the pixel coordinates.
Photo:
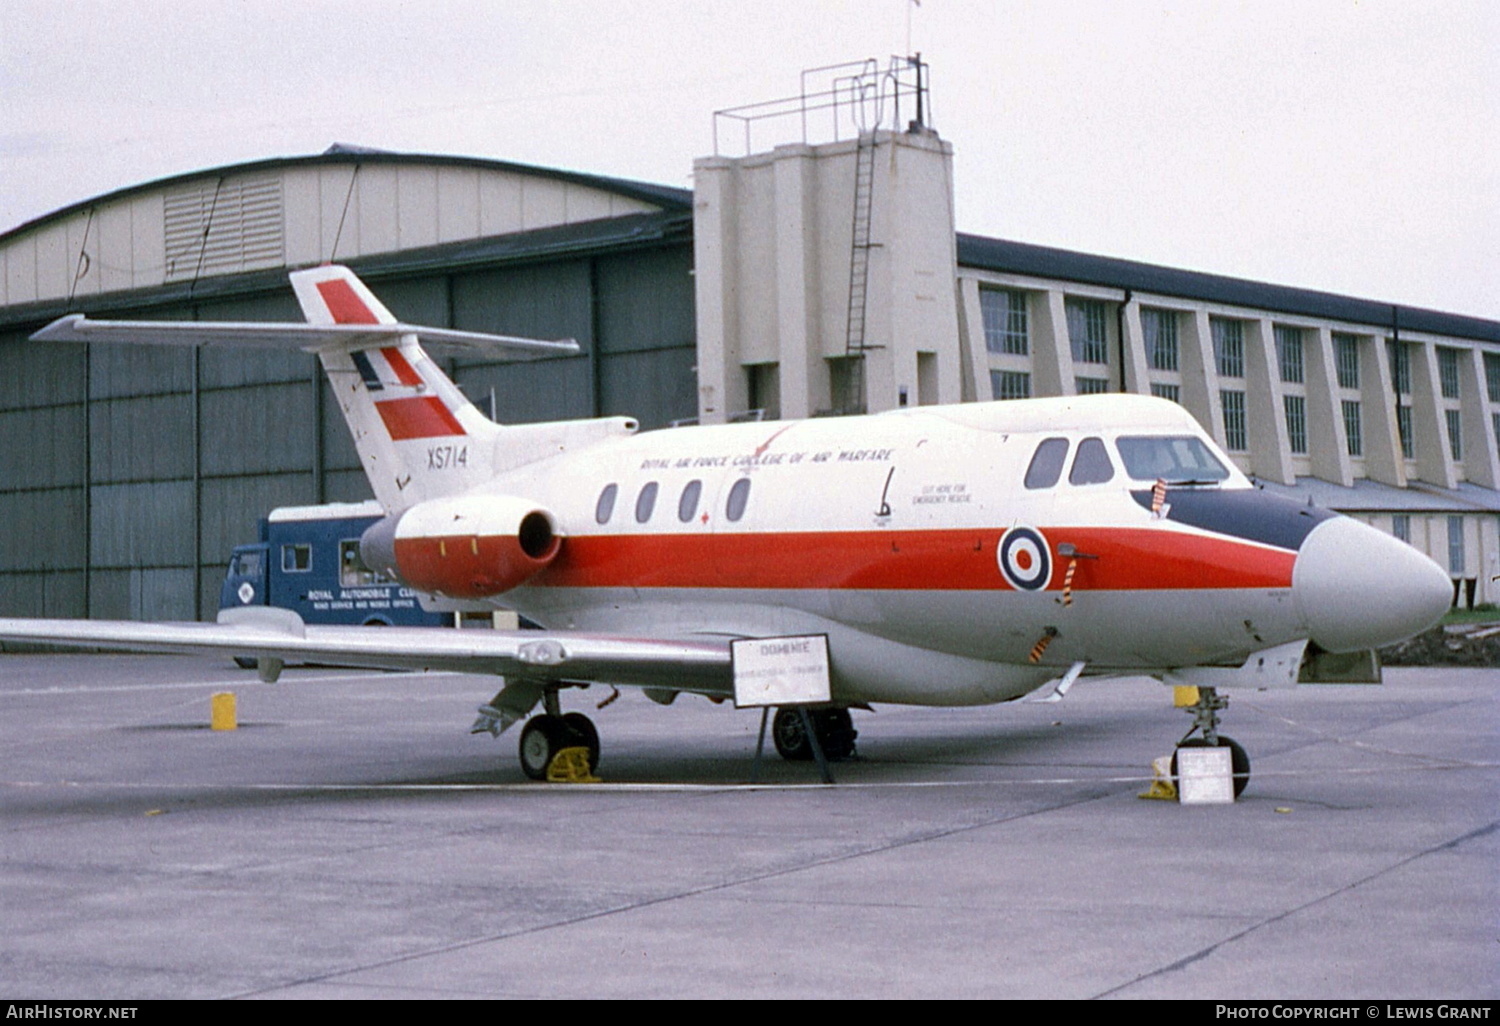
(826, 266)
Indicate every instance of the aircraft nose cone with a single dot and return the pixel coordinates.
(1358, 588)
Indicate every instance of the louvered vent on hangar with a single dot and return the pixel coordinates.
(219, 226)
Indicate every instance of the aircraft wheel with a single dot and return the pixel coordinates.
(835, 729)
(1238, 760)
(583, 733)
(244, 662)
(542, 738)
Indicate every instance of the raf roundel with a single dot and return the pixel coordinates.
(1024, 559)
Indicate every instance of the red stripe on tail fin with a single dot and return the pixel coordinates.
(344, 303)
(404, 371)
(419, 417)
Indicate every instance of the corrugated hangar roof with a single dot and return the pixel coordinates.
(220, 230)
(346, 154)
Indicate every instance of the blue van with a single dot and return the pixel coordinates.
(307, 560)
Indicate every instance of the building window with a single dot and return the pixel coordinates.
(1229, 348)
(1448, 371)
(1400, 367)
(1289, 354)
(1161, 391)
(1160, 330)
(1401, 527)
(763, 382)
(1086, 331)
(1004, 315)
(1456, 546)
(846, 384)
(1352, 434)
(1296, 422)
(1403, 428)
(1346, 359)
(1455, 435)
(1495, 423)
(1010, 384)
(1492, 376)
(1234, 420)
(1091, 386)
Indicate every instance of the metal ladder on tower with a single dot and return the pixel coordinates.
(855, 344)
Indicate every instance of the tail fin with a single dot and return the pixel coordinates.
(418, 437)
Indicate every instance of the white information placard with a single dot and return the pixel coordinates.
(1205, 776)
(780, 671)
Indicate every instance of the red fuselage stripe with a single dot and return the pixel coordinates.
(418, 417)
(946, 560)
(344, 303)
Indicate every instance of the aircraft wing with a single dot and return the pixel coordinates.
(676, 664)
(312, 337)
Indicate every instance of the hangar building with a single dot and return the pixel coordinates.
(816, 276)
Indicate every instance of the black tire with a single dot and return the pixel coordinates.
(244, 662)
(1238, 760)
(835, 729)
(542, 738)
(791, 740)
(583, 732)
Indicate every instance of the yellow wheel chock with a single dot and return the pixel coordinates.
(1162, 785)
(571, 766)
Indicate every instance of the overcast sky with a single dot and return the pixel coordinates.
(1331, 144)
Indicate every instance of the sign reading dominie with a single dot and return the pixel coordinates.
(780, 671)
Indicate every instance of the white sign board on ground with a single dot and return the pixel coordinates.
(1205, 776)
(780, 671)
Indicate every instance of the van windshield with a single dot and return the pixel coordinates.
(1172, 458)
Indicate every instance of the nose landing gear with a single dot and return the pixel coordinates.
(1206, 719)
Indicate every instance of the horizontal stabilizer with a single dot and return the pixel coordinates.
(290, 335)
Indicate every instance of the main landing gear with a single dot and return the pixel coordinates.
(550, 732)
(1206, 719)
(834, 727)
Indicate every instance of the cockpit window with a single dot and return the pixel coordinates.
(1047, 463)
(1092, 464)
(1179, 458)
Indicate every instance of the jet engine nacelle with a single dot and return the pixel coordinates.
(466, 547)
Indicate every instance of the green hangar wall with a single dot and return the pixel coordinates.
(128, 473)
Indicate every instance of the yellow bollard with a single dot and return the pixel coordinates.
(223, 716)
(1184, 696)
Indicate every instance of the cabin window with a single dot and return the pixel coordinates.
(1180, 458)
(1092, 464)
(296, 559)
(687, 506)
(605, 508)
(1047, 463)
(739, 494)
(645, 502)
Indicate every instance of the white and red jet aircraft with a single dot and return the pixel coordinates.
(954, 555)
